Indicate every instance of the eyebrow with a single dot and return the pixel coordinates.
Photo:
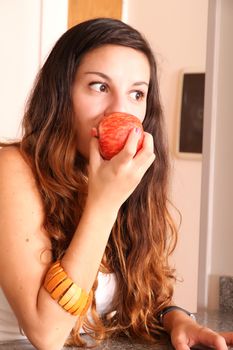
(104, 76)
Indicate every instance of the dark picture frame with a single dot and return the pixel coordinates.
(191, 112)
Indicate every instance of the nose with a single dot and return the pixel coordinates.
(117, 103)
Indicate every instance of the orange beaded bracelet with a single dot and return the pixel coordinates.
(77, 308)
(69, 296)
(89, 301)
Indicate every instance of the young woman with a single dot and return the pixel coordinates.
(105, 224)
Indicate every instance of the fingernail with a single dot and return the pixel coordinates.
(94, 132)
(137, 130)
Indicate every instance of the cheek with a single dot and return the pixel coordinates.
(87, 104)
(83, 123)
(83, 127)
(141, 112)
(83, 140)
(82, 114)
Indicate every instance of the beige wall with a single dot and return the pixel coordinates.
(28, 30)
(54, 21)
(19, 40)
(222, 243)
(216, 218)
(177, 31)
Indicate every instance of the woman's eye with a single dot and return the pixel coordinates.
(137, 95)
(100, 87)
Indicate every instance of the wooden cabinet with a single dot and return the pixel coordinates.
(81, 10)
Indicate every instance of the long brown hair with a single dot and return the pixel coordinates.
(144, 234)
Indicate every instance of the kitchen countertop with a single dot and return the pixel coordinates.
(218, 321)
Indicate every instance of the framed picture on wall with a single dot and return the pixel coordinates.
(190, 114)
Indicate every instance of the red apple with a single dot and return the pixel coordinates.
(113, 131)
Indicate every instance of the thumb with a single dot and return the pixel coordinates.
(94, 154)
(180, 346)
(180, 341)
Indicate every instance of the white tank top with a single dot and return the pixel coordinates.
(9, 328)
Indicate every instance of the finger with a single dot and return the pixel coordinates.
(180, 343)
(94, 154)
(212, 339)
(181, 346)
(145, 165)
(146, 151)
(228, 336)
(130, 148)
(148, 141)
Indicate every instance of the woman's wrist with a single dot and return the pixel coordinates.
(101, 207)
(172, 315)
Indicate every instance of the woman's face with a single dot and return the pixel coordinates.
(109, 79)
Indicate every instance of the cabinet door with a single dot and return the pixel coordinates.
(81, 10)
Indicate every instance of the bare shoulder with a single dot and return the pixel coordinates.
(19, 194)
(13, 163)
(16, 175)
(21, 208)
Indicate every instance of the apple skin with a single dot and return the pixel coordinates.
(113, 131)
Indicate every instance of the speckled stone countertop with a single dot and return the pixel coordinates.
(219, 321)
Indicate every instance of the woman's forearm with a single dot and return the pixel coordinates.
(84, 254)
(81, 263)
